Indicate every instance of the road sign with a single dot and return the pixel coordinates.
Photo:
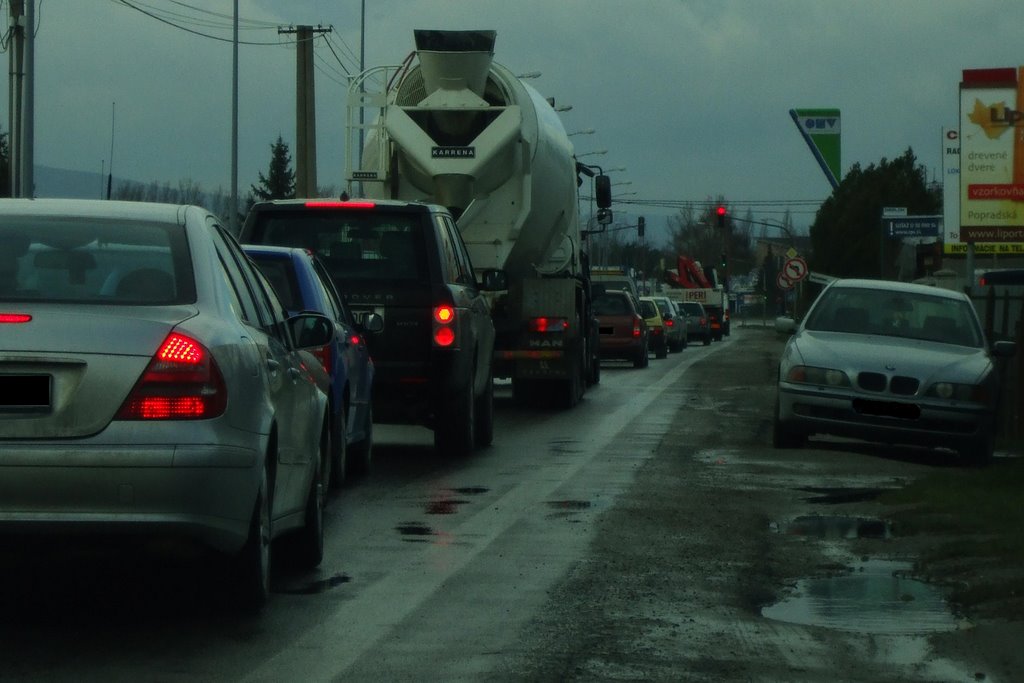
(782, 282)
(795, 269)
(915, 226)
(894, 211)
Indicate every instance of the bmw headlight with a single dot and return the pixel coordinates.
(972, 393)
(806, 374)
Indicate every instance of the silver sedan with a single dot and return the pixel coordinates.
(149, 383)
(890, 362)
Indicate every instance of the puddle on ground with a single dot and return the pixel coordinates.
(876, 596)
(834, 527)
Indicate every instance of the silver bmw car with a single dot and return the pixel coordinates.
(890, 362)
(150, 383)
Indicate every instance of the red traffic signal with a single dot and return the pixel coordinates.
(721, 212)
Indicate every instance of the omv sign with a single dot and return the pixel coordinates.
(821, 124)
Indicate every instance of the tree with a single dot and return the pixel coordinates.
(279, 183)
(846, 236)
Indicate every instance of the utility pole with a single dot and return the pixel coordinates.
(305, 110)
(21, 97)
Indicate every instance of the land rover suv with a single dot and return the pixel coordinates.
(406, 262)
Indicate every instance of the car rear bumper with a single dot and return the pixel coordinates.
(878, 419)
(205, 493)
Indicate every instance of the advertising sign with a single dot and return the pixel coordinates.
(992, 156)
(821, 131)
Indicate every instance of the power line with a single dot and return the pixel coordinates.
(154, 15)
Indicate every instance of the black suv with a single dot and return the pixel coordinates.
(406, 262)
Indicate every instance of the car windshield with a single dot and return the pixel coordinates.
(896, 314)
(648, 309)
(353, 245)
(84, 260)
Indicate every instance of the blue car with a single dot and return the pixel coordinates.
(302, 284)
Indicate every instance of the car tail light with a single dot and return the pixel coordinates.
(330, 204)
(444, 326)
(670, 323)
(636, 326)
(703, 322)
(15, 317)
(545, 324)
(181, 382)
(323, 354)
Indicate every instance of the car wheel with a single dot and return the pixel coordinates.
(662, 352)
(979, 453)
(455, 424)
(360, 454)
(252, 564)
(640, 361)
(485, 415)
(595, 371)
(338, 465)
(309, 540)
(783, 436)
(707, 340)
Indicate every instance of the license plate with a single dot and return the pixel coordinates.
(24, 392)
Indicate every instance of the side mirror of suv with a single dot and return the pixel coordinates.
(493, 280)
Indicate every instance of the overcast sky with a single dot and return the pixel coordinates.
(690, 96)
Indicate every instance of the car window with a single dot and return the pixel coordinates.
(244, 296)
(465, 267)
(648, 309)
(611, 304)
(353, 245)
(455, 270)
(281, 274)
(334, 300)
(88, 261)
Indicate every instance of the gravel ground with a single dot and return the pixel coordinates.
(681, 566)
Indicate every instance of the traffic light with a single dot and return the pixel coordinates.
(721, 212)
(640, 226)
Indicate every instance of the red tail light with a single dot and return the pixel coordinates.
(544, 324)
(670, 323)
(181, 382)
(323, 354)
(15, 317)
(444, 326)
(636, 326)
(703, 322)
(339, 205)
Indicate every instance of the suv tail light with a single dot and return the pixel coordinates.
(15, 317)
(335, 204)
(181, 382)
(637, 321)
(444, 326)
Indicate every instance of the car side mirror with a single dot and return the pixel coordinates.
(371, 322)
(1004, 349)
(311, 330)
(493, 280)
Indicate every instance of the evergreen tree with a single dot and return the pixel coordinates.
(279, 183)
(847, 234)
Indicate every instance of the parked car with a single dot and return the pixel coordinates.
(892, 362)
(623, 331)
(655, 325)
(675, 323)
(303, 284)
(697, 325)
(406, 262)
(153, 387)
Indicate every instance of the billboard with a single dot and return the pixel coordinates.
(992, 159)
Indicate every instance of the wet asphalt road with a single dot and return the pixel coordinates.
(431, 565)
(635, 537)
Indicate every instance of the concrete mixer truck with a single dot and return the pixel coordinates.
(449, 126)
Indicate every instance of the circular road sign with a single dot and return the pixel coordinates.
(795, 269)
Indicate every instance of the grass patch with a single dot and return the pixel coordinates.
(976, 518)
